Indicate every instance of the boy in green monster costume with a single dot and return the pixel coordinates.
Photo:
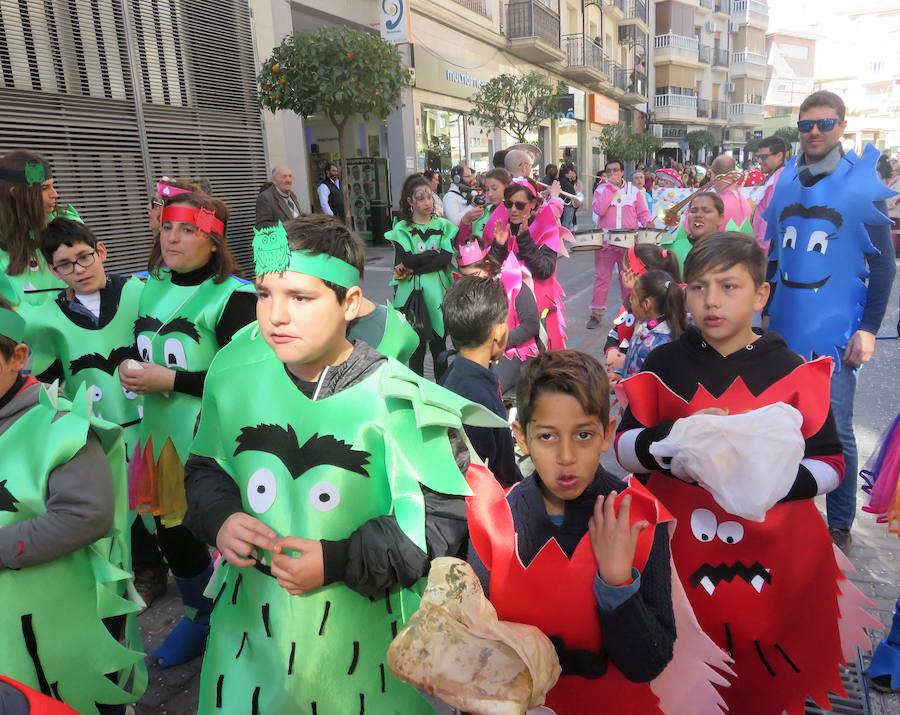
(27, 203)
(423, 248)
(328, 481)
(68, 606)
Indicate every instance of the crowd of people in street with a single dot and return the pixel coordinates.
(282, 449)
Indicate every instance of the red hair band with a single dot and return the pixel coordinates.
(204, 219)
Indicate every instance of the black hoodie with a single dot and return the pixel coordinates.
(378, 555)
(687, 363)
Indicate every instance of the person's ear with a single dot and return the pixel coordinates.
(19, 357)
(520, 436)
(762, 296)
(100, 248)
(608, 434)
(352, 303)
(499, 336)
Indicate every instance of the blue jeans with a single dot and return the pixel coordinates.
(840, 505)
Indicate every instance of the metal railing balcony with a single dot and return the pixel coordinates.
(621, 78)
(677, 41)
(723, 6)
(720, 57)
(703, 108)
(637, 84)
(705, 54)
(744, 108)
(679, 101)
(531, 18)
(747, 10)
(479, 6)
(718, 110)
(618, 4)
(582, 51)
(708, 4)
(748, 57)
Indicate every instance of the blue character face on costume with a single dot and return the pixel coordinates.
(819, 245)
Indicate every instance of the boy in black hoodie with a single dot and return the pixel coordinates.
(749, 582)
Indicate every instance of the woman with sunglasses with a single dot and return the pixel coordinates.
(534, 237)
(27, 203)
(423, 250)
(189, 309)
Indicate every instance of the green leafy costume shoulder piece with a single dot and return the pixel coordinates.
(319, 470)
(52, 616)
(90, 357)
(436, 235)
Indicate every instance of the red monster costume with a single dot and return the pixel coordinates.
(773, 594)
(534, 595)
(38, 703)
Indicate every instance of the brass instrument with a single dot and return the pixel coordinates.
(535, 154)
(568, 198)
(671, 215)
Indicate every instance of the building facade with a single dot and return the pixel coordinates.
(790, 77)
(117, 93)
(598, 50)
(709, 66)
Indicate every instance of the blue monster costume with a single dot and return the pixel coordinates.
(819, 244)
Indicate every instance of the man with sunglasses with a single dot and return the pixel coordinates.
(770, 155)
(618, 204)
(829, 296)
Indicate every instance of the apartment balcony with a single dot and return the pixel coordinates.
(678, 49)
(750, 12)
(613, 8)
(706, 6)
(722, 7)
(585, 61)
(478, 6)
(636, 13)
(745, 115)
(705, 54)
(533, 31)
(636, 90)
(632, 35)
(676, 107)
(718, 111)
(619, 79)
(748, 64)
(720, 58)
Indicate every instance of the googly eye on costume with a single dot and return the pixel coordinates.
(261, 490)
(324, 496)
(703, 524)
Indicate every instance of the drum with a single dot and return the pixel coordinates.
(649, 235)
(623, 238)
(587, 241)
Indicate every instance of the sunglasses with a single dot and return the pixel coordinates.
(824, 125)
(519, 205)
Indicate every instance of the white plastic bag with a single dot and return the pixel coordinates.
(747, 461)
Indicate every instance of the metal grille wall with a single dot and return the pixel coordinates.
(70, 86)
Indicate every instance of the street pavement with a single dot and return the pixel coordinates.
(875, 554)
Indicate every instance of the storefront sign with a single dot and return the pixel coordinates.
(442, 77)
(464, 79)
(395, 21)
(602, 110)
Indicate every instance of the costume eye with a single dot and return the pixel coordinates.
(261, 490)
(324, 496)
(703, 524)
(818, 241)
(790, 237)
(129, 394)
(730, 532)
(145, 348)
(174, 352)
(95, 393)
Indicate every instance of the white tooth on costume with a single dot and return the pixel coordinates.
(141, 411)
(708, 585)
(757, 583)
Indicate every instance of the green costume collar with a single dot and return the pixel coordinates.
(12, 325)
(272, 254)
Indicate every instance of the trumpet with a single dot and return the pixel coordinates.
(671, 214)
(568, 199)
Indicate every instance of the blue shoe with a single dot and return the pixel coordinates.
(884, 670)
(187, 640)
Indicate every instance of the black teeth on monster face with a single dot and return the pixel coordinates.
(709, 577)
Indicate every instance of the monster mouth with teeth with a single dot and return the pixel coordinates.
(812, 285)
(709, 576)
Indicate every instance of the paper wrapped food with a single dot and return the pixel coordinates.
(747, 461)
(455, 648)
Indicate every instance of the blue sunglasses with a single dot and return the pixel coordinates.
(825, 125)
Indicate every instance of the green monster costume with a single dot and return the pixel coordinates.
(680, 243)
(436, 235)
(54, 638)
(35, 285)
(479, 224)
(176, 329)
(397, 339)
(90, 358)
(319, 470)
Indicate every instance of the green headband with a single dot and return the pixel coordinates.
(12, 325)
(272, 254)
(33, 174)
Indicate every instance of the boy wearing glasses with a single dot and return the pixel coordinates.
(829, 296)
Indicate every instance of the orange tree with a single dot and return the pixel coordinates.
(336, 72)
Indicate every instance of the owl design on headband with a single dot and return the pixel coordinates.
(271, 252)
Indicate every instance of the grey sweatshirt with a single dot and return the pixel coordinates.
(80, 501)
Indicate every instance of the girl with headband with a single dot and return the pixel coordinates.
(534, 236)
(27, 203)
(190, 308)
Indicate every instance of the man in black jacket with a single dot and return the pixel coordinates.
(277, 201)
